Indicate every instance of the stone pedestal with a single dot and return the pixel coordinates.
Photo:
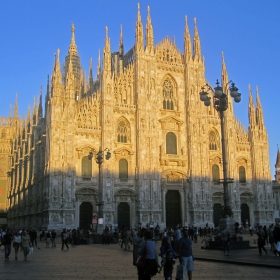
(100, 229)
(227, 223)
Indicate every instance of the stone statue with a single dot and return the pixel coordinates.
(68, 193)
(108, 195)
(54, 194)
(155, 195)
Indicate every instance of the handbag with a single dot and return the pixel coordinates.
(278, 246)
(141, 260)
(31, 250)
(181, 272)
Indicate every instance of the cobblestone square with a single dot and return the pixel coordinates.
(111, 262)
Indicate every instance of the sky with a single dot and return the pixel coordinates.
(247, 31)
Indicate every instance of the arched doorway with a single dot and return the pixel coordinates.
(245, 215)
(85, 215)
(173, 209)
(123, 215)
(217, 213)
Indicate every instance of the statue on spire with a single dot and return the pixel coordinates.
(149, 32)
(197, 48)
(139, 31)
(73, 48)
(187, 41)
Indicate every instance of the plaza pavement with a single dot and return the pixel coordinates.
(110, 262)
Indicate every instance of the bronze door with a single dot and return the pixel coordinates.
(217, 213)
(173, 209)
(85, 215)
(245, 215)
(123, 215)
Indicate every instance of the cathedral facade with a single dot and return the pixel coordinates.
(166, 163)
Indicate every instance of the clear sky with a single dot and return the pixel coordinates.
(247, 31)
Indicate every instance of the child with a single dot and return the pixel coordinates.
(168, 265)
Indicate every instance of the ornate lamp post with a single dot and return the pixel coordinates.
(99, 158)
(220, 101)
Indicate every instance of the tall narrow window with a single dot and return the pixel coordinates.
(86, 167)
(216, 173)
(212, 141)
(168, 95)
(242, 174)
(123, 132)
(123, 169)
(171, 143)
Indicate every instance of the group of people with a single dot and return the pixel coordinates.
(19, 240)
(146, 258)
(268, 235)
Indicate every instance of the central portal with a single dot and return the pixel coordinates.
(123, 215)
(173, 209)
(85, 215)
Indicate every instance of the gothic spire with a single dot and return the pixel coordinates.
(259, 111)
(40, 107)
(90, 79)
(16, 107)
(69, 84)
(225, 81)
(121, 51)
(73, 48)
(29, 114)
(149, 32)
(278, 158)
(98, 64)
(107, 53)
(187, 41)
(47, 97)
(251, 109)
(196, 44)
(57, 75)
(139, 31)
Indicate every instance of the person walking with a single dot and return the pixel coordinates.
(151, 266)
(74, 237)
(25, 240)
(64, 239)
(168, 265)
(48, 239)
(16, 243)
(271, 238)
(53, 236)
(226, 240)
(185, 253)
(276, 235)
(33, 238)
(166, 245)
(137, 244)
(126, 239)
(7, 241)
(176, 238)
(261, 240)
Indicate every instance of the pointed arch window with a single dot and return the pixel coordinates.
(212, 141)
(171, 143)
(242, 174)
(216, 173)
(123, 132)
(86, 167)
(168, 95)
(123, 169)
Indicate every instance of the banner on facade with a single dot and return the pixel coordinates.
(94, 218)
(100, 221)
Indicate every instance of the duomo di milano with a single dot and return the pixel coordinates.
(166, 145)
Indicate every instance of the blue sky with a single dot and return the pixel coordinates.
(247, 31)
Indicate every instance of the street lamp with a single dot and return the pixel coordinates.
(220, 101)
(99, 158)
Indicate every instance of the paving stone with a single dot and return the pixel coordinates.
(100, 262)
